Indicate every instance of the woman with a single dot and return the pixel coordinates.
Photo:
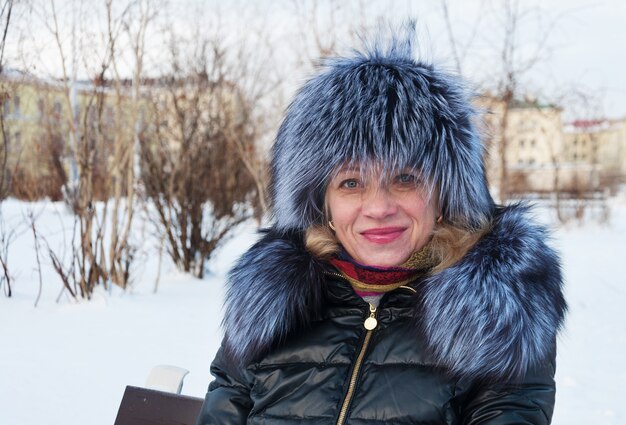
(390, 288)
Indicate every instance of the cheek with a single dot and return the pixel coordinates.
(341, 210)
(341, 215)
(422, 211)
(428, 210)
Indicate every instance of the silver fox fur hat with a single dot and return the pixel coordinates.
(378, 107)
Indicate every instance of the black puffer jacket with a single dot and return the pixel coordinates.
(474, 344)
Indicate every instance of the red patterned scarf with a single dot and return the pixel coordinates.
(375, 280)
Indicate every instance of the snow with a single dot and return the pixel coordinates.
(67, 362)
(591, 376)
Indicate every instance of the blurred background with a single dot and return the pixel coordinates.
(134, 139)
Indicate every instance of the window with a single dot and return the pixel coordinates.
(41, 108)
(57, 108)
(16, 105)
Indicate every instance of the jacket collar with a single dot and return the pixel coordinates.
(492, 315)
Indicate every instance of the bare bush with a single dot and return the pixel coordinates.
(193, 170)
(39, 173)
(518, 182)
(101, 122)
(5, 235)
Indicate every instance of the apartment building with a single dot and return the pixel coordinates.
(530, 133)
(543, 154)
(599, 143)
(47, 123)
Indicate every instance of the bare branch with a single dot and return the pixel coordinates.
(31, 220)
(452, 38)
(6, 8)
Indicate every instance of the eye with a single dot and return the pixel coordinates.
(349, 184)
(406, 179)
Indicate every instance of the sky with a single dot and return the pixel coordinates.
(582, 66)
(584, 50)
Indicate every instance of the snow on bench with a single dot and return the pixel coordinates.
(161, 403)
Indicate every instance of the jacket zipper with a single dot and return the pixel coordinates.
(369, 324)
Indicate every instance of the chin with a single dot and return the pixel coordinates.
(385, 261)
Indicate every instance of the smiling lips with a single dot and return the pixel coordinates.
(383, 235)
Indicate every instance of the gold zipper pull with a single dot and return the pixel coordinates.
(371, 322)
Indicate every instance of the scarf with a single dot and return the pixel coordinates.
(374, 281)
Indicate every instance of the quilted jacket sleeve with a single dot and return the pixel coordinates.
(228, 399)
(529, 402)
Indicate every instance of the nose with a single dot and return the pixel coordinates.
(378, 203)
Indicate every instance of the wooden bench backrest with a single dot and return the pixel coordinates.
(141, 406)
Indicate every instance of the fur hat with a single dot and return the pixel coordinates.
(379, 107)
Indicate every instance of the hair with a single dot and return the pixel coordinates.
(321, 242)
(450, 243)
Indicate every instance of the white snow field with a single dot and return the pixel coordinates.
(65, 362)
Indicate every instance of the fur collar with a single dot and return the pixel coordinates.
(494, 314)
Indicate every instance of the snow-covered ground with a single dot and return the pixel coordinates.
(591, 375)
(68, 363)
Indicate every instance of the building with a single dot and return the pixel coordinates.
(530, 135)
(34, 129)
(543, 155)
(599, 144)
(48, 125)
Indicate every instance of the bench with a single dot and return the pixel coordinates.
(144, 406)
(161, 402)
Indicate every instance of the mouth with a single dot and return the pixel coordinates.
(383, 235)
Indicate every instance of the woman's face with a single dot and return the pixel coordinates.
(379, 222)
